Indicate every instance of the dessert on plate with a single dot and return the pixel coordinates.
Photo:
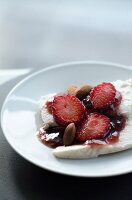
(87, 121)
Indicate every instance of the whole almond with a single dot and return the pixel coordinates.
(82, 91)
(69, 134)
(71, 89)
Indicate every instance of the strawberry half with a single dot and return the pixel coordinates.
(67, 109)
(102, 95)
(94, 126)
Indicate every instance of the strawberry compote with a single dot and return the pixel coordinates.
(52, 136)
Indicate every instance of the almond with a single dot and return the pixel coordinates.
(69, 134)
(82, 91)
(71, 89)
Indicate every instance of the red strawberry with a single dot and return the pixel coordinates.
(102, 95)
(94, 126)
(67, 109)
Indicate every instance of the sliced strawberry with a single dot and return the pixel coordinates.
(67, 109)
(102, 95)
(94, 126)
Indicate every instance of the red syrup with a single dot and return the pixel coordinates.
(117, 124)
(54, 140)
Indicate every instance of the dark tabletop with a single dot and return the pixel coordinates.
(35, 34)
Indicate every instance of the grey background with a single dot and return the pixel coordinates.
(40, 33)
(35, 34)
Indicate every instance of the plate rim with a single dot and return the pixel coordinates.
(48, 68)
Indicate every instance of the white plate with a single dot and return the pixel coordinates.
(18, 117)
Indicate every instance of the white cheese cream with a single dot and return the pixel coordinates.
(47, 118)
(88, 151)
